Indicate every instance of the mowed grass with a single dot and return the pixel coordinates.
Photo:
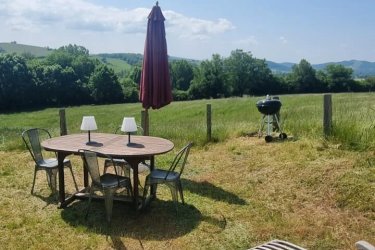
(239, 190)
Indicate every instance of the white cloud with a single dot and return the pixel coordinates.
(283, 40)
(194, 28)
(72, 14)
(35, 15)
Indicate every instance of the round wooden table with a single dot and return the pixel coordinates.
(141, 148)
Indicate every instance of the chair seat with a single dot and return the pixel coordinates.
(162, 175)
(111, 180)
(142, 167)
(50, 163)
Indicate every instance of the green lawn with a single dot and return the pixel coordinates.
(239, 191)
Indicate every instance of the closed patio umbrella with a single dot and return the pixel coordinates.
(155, 85)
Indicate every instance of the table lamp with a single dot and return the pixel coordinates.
(88, 123)
(129, 126)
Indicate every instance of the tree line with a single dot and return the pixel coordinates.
(69, 76)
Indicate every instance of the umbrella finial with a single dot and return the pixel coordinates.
(157, 3)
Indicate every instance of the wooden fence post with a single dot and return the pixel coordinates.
(208, 108)
(63, 129)
(327, 118)
(145, 122)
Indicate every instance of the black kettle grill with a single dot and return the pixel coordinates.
(270, 109)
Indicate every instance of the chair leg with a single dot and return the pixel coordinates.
(173, 188)
(145, 191)
(108, 196)
(51, 179)
(89, 205)
(32, 188)
(74, 179)
(179, 185)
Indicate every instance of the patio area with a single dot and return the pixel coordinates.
(238, 194)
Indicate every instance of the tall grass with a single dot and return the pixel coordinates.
(239, 192)
(301, 116)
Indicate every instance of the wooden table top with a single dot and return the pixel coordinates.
(110, 144)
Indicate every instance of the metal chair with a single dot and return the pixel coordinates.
(364, 245)
(277, 245)
(170, 177)
(122, 166)
(32, 138)
(107, 183)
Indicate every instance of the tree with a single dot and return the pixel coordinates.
(248, 75)
(209, 80)
(238, 69)
(16, 84)
(135, 74)
(339, 78)
(65, 55)
(104, 86)
(130, 90)
(262, 80)
(182, 74)
(303, 77)
(369, 83)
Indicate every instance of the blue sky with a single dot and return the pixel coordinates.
(277, 30)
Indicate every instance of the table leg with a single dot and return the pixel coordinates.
(152, 167)
(134, 165)
(62, 197)
(60, 161)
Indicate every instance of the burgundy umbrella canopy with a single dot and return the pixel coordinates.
(155, 85)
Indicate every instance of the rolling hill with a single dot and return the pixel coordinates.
(121, 61)
(20, 49)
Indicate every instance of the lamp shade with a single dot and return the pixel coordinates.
(129, 125)
(88, 123)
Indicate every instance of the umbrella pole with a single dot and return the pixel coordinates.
(145, 122)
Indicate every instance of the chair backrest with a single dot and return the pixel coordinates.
(32, 138)
(180, 159)
(90, 159)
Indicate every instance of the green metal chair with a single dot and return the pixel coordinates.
(170, 177)
(107, 183)
(32, 138)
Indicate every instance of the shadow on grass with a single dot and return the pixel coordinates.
(158, 222)
(211, 191)
(52, 199)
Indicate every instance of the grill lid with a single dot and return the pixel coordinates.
(268, 106)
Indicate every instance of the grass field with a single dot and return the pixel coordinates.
(239, 190)
(25, 49)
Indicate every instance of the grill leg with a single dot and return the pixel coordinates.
(262, 121)
(269, 122)
(277, 123)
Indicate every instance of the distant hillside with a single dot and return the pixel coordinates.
(123, 61)
(360, 68)
(20, 49)
(280, 67)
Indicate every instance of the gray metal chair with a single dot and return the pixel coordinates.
(277, 245)
(122, 166)
(32, 138)
(170, 177)
(364, 245)
(107, 183)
